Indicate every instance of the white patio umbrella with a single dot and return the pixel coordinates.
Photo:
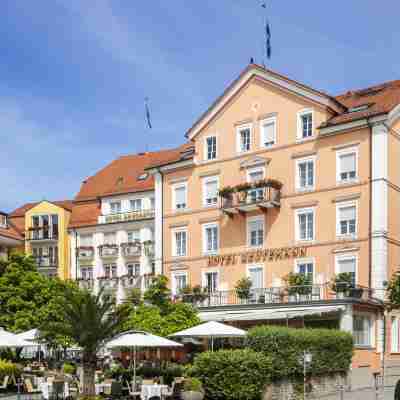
(211, 330)
(138, 339)
(8, 339)
(32, 336)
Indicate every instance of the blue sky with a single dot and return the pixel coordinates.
(74, 73)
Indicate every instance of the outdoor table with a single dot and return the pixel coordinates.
(46, 388)
(102, 388)
(149, 391)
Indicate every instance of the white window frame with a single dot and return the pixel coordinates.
(297, 225)
(344, 152)
(256, 265)
(297, 173)
(178, 186)
(346, 204)
(205, 151)
(174, 248)
(372, 326)
(261, 127)
(300, 124)
(131, 232)
(204, 280)
(206, 180)
(175, 274)
(394, 329)
(204, 238)
(309, 260)
(139, 199)
(249, 171)
(120, 207)
(345, 257)
(238, 130)
(257, 218)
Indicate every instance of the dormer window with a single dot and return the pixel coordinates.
(244, 138)
(143, 177)
(115, 207)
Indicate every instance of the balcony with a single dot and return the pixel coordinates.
(45, 234)
(109, 250)
(131, 281)
(131, 249)
(46, 262)
(87, 284)
(149, 248)
(248, 197)
(85, 253)
(127, 216)
(108, 283)
(278, 295)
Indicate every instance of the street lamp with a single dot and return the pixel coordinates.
(306, 360)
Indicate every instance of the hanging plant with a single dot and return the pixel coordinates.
(274, 183)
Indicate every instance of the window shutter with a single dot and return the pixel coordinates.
(347, 213)
(180, 194)
(347, 266)
(348, 162)
(269, 133)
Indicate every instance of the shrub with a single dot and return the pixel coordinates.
(69, 369)
(331, 350)
(9, 368)
(192, 385)
(243, 288)
(232, 374)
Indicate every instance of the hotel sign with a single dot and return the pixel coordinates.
(255, 256)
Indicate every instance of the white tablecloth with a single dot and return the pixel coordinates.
(46, 389)
(149, 391)
(102, 388)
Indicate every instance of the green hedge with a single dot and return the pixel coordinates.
(9, 368)
(331, 350)
(232, 374)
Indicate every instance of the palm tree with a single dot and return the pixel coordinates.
(90, 321)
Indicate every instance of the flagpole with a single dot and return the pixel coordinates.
(148, 119)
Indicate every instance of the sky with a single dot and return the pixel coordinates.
(74, 73)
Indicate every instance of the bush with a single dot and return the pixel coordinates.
(232, 374)
(331, 350)
(9, 368)
(192, 385)
(69, 369)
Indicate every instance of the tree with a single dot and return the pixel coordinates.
(158, 293)
(393, 292)
(90, 321)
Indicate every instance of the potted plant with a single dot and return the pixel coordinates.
(342, 284)
(298, 285)
(192, 389)
(242, 191)
(274, 183)
(243, 288)
(193, 295)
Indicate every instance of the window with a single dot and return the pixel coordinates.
(152, 203)
(210, 281)
(394, 347)
(346, 215)
(180, 196)
(180, 243)
(3, 220)
(133, 269)
(136, 204)
(85, 240)
(134, 236)
(346, 165)
(210, 148)
(255, 232)
(305, 124)
(306, 267)
(210, 238)
(87, 273)
(256, 275)
(255, 175)
(115, 207)
(210, 191)
(110, 238)
(179, 282)
(305, 224)
(243, 138)
(305, 174)
(268, 132)
(362, 330)
(347, 264)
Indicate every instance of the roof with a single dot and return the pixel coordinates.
(85, 214)
(20, 211)
(126, 174)
(378, 100)
(11, 232)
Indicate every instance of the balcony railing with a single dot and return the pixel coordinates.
(86, 283)
(108, 250)
(86, 252)
(250, 197)
(46, 262)
(131, 249)
(127, 216)
(40, 233)
(108, 283)
(278, 295)
(131, 281)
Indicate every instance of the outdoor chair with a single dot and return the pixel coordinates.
(133, 391)
(4, 385)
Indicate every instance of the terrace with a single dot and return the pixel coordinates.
(248, 197)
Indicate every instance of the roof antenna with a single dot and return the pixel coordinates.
(251, 60)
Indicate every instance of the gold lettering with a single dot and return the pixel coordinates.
(303, 251)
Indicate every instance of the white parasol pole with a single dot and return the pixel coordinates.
(134, 368)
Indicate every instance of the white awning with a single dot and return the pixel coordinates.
(267, 313)
(211, 329)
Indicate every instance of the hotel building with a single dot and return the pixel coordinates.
(112, 229)
(43, 229)
(280, 180)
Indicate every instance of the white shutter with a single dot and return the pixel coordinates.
(348, 162)
(395, 335)
(269, 133)
(256, 275)
(348, 265)
(180, 195)
(347, 213)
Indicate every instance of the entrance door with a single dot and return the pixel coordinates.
(211, 285)
(256, 275)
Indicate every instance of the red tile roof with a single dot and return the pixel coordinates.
(11, 232)
(85, 213)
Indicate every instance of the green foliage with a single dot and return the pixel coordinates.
(342, 282)
(158, 293)
(193, 385)
(243, 287)
(193, 294)
(69, 369)
(172, 318)
(331, 350)
(298, 283)
(393, 292)
(233, 374)
(135, 297)
(9, 368)
(28, 298)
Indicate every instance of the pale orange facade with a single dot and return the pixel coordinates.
(335, 212)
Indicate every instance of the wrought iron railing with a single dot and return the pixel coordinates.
(127, 216)
(42, 233)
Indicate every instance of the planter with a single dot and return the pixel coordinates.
(192, 395)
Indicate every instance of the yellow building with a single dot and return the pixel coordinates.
(44, 227)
